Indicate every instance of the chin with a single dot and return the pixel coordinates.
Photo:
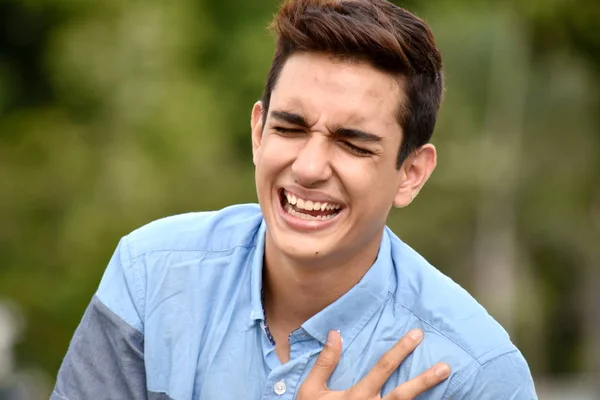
(303, 250)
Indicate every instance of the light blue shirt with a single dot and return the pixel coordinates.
(178, 315)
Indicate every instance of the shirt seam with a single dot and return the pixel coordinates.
(140, 293)
(141, 297)
(101, 304)
(249, 246)
(459, 381)
(476, 359)
(464, 377)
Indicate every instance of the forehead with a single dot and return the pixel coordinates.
(338, 91)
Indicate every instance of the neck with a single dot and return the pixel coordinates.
(297, 290)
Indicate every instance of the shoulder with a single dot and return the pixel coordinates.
(174, 256)
(221, 230)
(503, 377)
(443, 306)
(458, 329)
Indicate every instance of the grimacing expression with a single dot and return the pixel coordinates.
(326, 174)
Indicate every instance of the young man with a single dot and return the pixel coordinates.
(308, 296)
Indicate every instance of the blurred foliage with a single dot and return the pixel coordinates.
(116, 113)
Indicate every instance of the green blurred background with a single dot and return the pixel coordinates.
(114, 113)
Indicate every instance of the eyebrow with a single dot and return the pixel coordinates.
(290, 118)
(357, 135)
(348, 133)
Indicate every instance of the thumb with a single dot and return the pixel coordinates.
(325, 364)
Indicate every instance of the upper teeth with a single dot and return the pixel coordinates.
(310, 205)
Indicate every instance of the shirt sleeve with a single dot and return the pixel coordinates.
(506, 377)
(105, 359)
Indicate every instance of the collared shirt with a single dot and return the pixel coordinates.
(178, 315)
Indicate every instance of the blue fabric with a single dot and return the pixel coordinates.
(191, 284)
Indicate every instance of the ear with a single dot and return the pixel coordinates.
(256, 124)
(414, 172)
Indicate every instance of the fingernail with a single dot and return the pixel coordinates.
(340, 333)
(416, 334)
(442, 370)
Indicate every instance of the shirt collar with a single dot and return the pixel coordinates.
(350, 313)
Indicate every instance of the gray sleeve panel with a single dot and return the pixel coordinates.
(105, 360)
(151, 396)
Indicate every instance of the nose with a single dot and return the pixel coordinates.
(312, 165)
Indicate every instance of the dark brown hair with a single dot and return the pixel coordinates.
(378, 32)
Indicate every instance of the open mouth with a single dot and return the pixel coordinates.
(308, 209)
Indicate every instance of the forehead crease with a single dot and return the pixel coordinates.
(361, 101)
(341, 92)
(367, 113)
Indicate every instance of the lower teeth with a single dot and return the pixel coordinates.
(290, 210)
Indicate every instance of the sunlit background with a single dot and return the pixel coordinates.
(114, 113)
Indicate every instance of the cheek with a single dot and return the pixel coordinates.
(276, 152)
(368, 185)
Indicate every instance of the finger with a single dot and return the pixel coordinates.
(325, 364)
(372, 383)
(414, 387)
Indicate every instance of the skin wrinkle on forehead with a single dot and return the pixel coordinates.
(343, 79)
(348, 62)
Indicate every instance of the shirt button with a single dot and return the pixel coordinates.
(280, 387)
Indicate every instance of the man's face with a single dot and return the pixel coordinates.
(326, 172)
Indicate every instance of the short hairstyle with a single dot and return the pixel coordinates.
(378, 32)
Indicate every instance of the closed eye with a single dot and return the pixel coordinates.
(287, 131)
(356, 150)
